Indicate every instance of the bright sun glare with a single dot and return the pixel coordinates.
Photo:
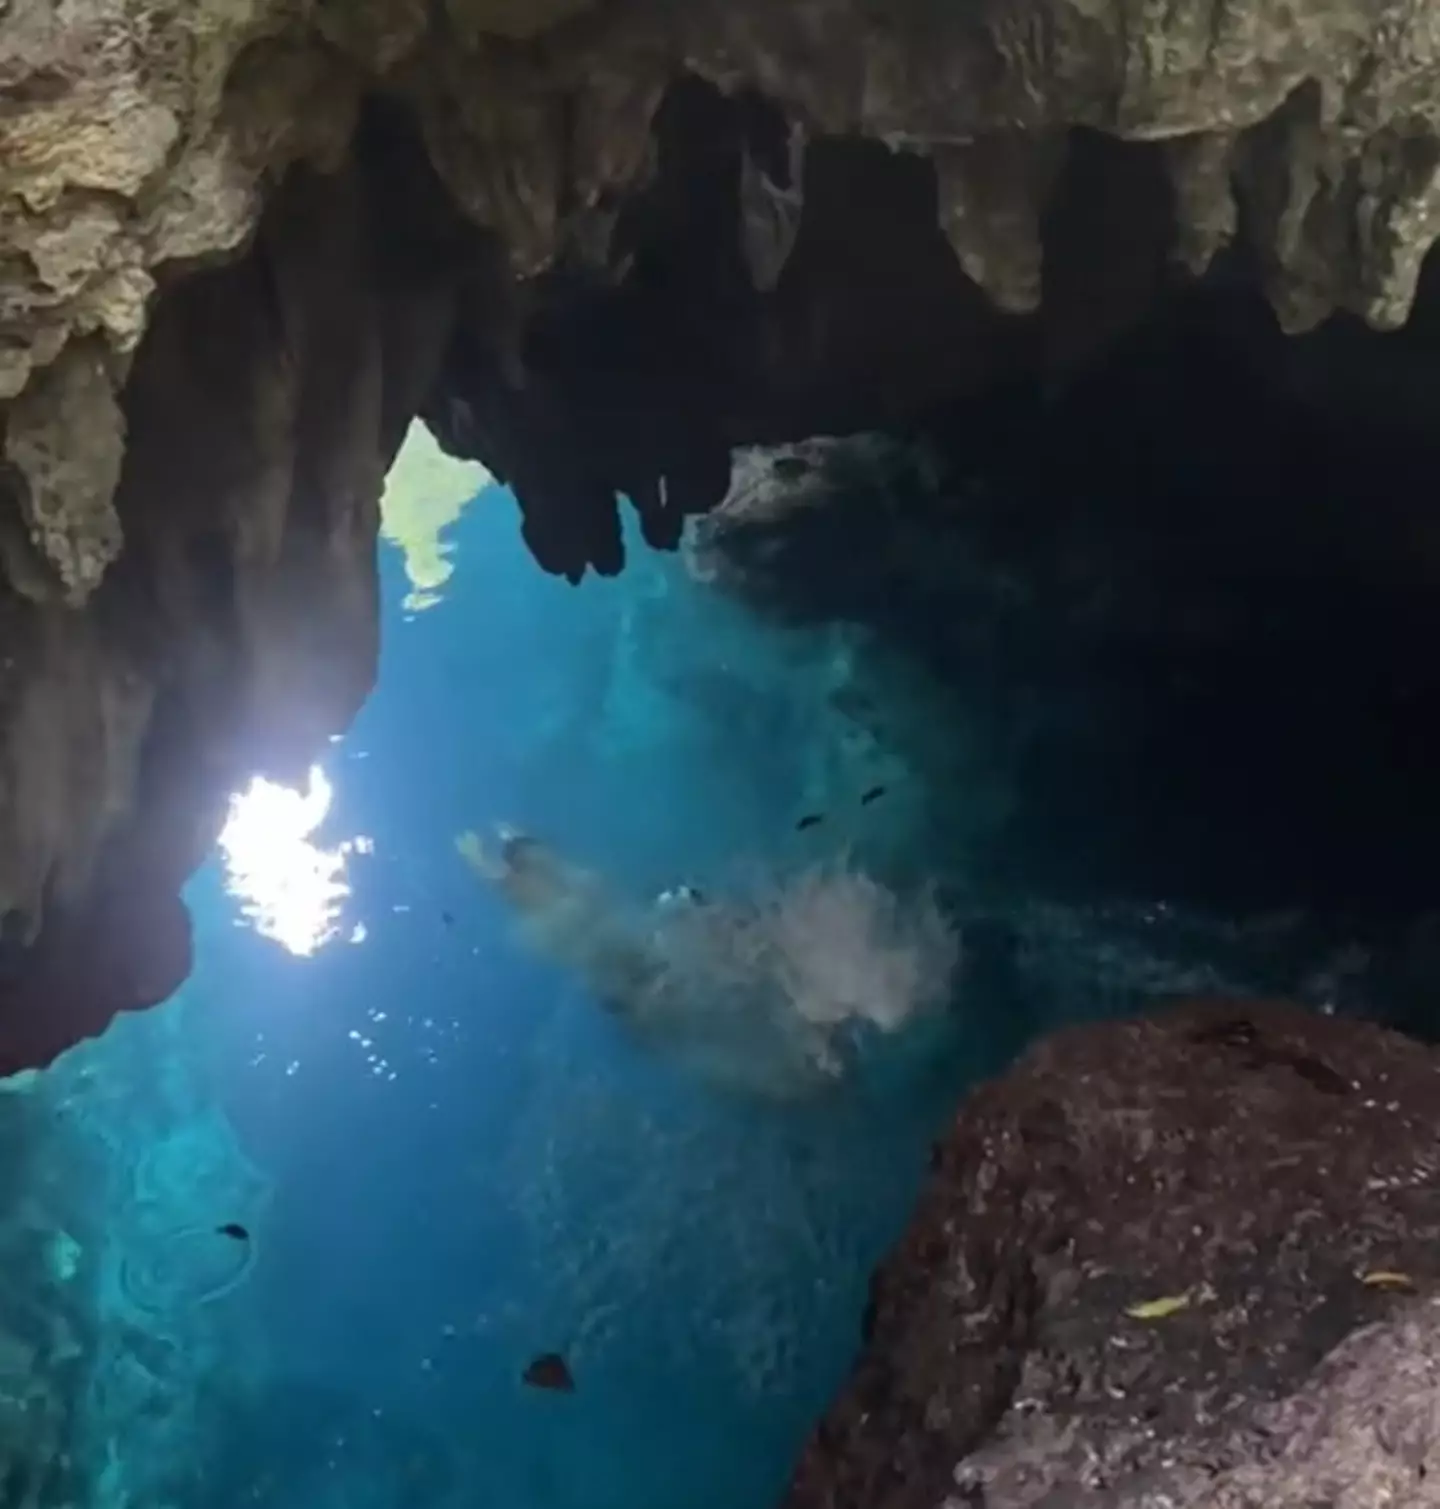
(289, 887)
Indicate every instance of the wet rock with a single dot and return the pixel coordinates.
(1184, 1260)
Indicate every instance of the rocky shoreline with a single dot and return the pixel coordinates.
(1184, 1260)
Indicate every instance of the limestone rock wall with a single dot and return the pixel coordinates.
(237, 626)
(137, 138)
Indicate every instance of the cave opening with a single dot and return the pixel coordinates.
(1105, 621)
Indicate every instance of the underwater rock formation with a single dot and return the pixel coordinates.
(1184, 1260)
(597, 245)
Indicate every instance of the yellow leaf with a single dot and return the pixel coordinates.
(1384, 1278)
(1158, 1309)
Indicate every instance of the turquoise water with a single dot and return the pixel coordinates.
(444, 1156)
(447, 1158)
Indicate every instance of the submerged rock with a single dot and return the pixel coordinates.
(1193, 1259)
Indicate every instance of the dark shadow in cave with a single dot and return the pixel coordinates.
(1191, 597)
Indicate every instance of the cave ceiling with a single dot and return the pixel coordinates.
(596, 246)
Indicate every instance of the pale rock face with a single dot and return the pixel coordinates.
(66, 438)
(139, 135)
(136, 136)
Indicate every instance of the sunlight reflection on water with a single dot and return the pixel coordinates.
(291, 889)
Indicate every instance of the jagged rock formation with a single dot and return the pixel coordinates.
(597, 245)
(237, 626)
(1183, 1261)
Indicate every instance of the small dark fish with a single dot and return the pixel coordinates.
(550, 1371)
(810, 820)
(448, 918)
(234, 1230)
(873, 795)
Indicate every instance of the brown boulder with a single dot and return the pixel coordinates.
(1183, 1260)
